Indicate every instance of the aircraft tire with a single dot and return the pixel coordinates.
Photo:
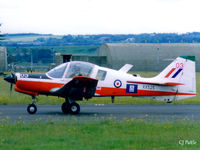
(74, 108)
(32, 109)
(65, 108)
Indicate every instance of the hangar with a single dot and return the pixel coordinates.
(147, 56)
(64, 57)
(3, 59)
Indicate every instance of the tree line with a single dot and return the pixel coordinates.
(46, 55)
(99, 39)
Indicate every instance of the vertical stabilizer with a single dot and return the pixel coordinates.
(181, 71)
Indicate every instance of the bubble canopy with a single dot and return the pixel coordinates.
(71, 69)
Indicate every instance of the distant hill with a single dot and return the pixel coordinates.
(28, 38)
(24, 34)
(34, 39)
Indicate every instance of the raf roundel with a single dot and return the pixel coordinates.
(117, 83)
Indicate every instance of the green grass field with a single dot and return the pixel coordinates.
(100, 133)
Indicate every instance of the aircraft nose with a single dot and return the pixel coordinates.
(10, 78)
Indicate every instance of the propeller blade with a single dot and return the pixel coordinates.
(12, 79)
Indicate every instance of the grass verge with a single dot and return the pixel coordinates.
(102, 134)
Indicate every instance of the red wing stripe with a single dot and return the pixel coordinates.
(172, 70)
(173, 83)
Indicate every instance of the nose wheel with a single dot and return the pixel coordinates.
(32, 109)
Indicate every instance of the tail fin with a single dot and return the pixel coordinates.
(182, 72)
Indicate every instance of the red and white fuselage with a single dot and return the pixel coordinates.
(176, 81)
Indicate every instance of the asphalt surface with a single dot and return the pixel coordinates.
(95, 112)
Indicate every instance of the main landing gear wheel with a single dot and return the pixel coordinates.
(65, 107)
(72, 108)
(32, 109)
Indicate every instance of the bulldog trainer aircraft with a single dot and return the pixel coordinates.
(76, 80)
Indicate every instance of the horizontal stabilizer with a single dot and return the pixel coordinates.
(126, 68)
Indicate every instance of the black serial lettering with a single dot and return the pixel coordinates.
(149, 87)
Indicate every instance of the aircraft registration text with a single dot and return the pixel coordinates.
(149, 87)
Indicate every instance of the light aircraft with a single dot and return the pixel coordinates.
(76, 80)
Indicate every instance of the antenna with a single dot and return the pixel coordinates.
(31, 60)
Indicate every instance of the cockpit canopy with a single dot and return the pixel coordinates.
(79, 69)
(71, 69)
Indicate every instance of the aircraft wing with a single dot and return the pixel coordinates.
(77, 88)
(156, 83)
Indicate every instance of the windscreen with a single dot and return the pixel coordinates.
(58, 71)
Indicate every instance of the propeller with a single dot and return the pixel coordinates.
(12, 79)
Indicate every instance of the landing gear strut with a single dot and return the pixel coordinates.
(69, 106)
(32, 108)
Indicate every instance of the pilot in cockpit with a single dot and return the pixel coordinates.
(74, 70)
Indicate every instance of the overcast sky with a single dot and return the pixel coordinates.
(99, 16)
